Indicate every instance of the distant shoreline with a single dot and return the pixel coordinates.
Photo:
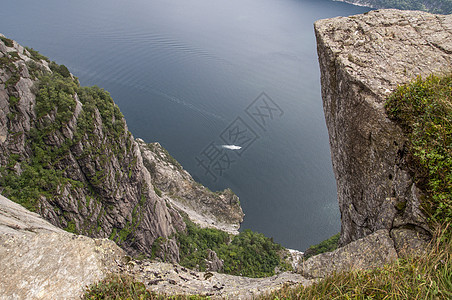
(355, 3)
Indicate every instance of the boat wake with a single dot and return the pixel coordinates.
(231, 147)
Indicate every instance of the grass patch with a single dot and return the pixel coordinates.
(423, 108)
(125, 287)
(157, 191)
(327, 245)
(7, 42)
(248, 254)
(426, 277)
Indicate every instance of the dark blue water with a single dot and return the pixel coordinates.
(183, 71)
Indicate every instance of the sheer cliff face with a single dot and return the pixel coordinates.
(362, 60)
(101, 187)
(66, 153)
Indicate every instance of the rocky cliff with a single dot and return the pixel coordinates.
(220, 210)
(41, 261)
(362, 60)
(66, 153)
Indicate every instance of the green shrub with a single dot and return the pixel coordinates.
(247, 254)
(14, 55)
(423, 108)
(35, 55)
(327, 245)
(117, 287)
(7, 42)
(13, 101)
(125, 287)
(71, 227)
(60, 69)
(410, 277)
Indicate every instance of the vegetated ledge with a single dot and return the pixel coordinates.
(220, 210)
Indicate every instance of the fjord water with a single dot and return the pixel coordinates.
(182, 71)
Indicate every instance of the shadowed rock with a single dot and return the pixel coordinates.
(363, 59)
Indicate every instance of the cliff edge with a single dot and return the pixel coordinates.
(363, 59)
(66, 153)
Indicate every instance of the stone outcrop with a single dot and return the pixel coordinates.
(372, 251)
(363, 59)
(100, 186)
(220, 210)
(213, 262)
(41, 261)
(173, 279)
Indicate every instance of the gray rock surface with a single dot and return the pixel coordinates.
(363, 59)
(41, 261)
(409, 241)
(220, 210)
(213, 262)
(173, 279)
(372, 251)
(15, 220)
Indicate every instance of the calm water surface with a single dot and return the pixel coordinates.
(182, 71)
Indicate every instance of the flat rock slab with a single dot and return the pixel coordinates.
(172, 279)
(17, 220)
(374, 250)
(40, 261)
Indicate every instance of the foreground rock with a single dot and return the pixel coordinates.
(362, 60)
(40, 261)
(172, 279)
(374, 250)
